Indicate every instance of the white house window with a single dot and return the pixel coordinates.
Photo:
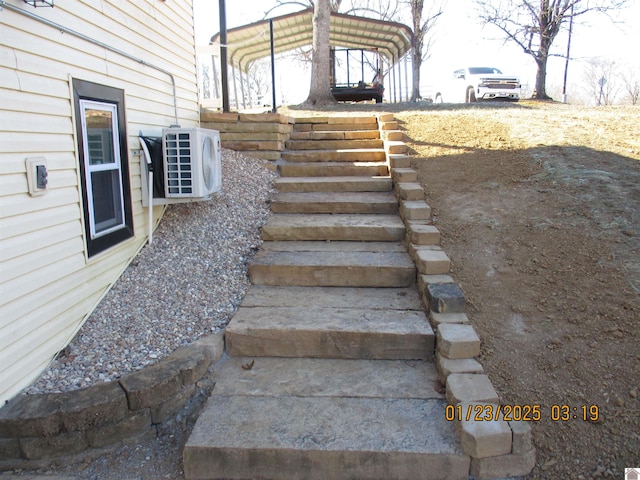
(103, 164)
(102, 167)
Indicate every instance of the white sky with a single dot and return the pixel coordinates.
(461, 41)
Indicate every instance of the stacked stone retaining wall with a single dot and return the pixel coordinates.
(57, 428)
(259, 135)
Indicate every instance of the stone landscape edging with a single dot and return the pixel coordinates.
(498, 448)
(37, 431)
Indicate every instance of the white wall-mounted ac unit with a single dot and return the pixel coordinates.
(192, 167)
(185, 165)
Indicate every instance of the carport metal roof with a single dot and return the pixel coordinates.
(249, 43)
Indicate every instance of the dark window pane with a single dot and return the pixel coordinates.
(99, 136)
(107, 206)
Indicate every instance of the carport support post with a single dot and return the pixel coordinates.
(223, 55)
(273, 69)
(399, 70)
(393, 76)
(235, 87)
(249, 88)
(406, 76)
(395, 81)
(244, 99)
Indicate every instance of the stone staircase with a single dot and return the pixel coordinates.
(329, 369)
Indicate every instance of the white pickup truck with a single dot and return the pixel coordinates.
(471, 84)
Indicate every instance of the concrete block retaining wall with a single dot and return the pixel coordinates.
(39, 430)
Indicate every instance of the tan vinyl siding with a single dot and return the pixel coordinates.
(48, 285)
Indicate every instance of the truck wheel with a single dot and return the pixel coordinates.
(379, 99)
(471, 95)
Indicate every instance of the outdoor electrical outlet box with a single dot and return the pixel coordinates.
(37, 175)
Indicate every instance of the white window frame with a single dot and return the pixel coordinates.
(115, 165)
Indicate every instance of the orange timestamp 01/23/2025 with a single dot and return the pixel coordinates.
(525, 413)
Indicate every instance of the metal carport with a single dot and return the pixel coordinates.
(248, 43)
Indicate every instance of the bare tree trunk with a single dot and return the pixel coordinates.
(540, 92)
(548, 31)
(417, 64)
(418, 35)
(422, 39)
(320, 91)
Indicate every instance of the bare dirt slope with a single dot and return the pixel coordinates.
(539, 209)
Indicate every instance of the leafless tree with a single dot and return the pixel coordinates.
(206, 82)
(377, 9)
(631, 83)
(320, 91)
(334, 5)
(534, 24)
(600, 81)
(423, 23)
(259, 80)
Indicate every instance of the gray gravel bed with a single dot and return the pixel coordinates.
(187, 284)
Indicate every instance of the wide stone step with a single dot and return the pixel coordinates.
(333, 268)
(311, 419)
(336, 135)
(287, 321)
(335, 155)
(334, 184)
(345, 124)
(333, 246)
(335, 202)
(312, 377)
(350, 227)
(330, 322)
(326, 144)
(307, 438)
(333, 169)
(325, 332)
(371, 298)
